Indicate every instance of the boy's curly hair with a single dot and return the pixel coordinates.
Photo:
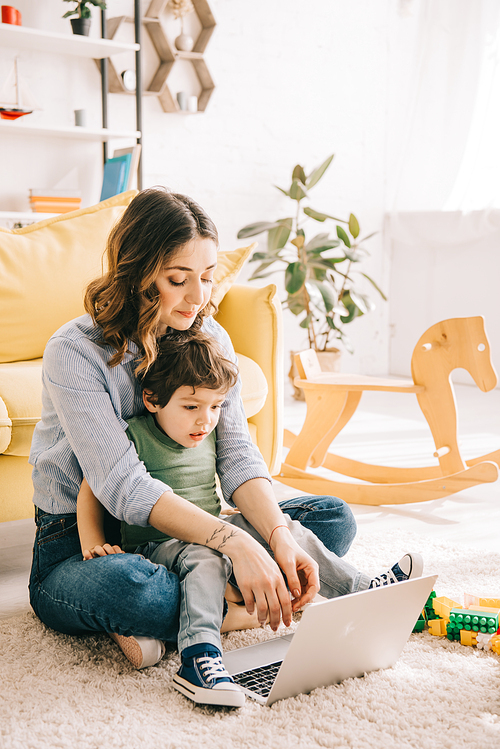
(193, 360)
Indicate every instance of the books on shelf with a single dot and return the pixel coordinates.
(55, 201)
(135, 154)
(120, 171)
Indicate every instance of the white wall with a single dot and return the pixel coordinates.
(295, 82)
(443, 264)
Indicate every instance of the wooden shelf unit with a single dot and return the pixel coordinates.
(25, 38)
(75, 133)
(100, 50)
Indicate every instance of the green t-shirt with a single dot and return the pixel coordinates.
(189, 471)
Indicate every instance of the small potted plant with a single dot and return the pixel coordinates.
(321, 274)
(81, 24)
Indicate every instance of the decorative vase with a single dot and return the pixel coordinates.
(184, 42)
(329, 361)
(80, 26)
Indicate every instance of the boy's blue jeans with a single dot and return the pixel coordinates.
(130, 595)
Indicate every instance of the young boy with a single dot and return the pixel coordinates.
(183, 392)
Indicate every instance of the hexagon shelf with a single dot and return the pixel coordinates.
(168, 55)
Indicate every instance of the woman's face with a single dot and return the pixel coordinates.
(185, 284)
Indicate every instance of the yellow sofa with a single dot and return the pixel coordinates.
(44, 269)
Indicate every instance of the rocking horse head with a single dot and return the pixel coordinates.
(460, 342)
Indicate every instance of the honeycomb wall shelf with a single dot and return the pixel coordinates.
(168, 55)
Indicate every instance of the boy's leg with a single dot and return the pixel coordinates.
(203, 574)
(329, 518)
(121, 593)
(337, 577)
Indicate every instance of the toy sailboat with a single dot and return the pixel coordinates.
(15, 98)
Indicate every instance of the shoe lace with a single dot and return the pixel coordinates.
(385, 578)
(212, 667)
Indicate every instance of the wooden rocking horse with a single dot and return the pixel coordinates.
(333, 398)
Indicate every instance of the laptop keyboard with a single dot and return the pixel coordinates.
(260, 679)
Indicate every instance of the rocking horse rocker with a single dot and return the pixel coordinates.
(332, 399)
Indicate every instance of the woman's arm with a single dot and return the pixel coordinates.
(85, 405)
(259, 578)
(90, 519)
(245, 482)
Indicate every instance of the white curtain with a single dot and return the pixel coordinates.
(443, 183)
(444, 106)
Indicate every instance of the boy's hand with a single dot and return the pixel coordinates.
(101, 551)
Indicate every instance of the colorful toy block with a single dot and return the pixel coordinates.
(471, 601)
(483, 641)
(477, 621)
(474, 624)
(468, 637)
(419, 624)
(444, 605)
(437, 627)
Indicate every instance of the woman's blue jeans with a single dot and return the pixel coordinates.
(128, 594)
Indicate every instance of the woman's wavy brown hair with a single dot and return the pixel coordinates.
(125, 302)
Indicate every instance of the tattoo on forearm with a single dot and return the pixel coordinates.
(220, 536)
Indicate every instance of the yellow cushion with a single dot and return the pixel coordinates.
(20, 405)
(44, 269)
(229, 265)
(254, 385)
(252, 317)
(21, 400)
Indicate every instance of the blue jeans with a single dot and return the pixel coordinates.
(130, 595)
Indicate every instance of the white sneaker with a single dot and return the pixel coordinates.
(408, 567)
(140, 651)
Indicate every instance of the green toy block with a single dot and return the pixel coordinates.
(419, 624)
(475, 621)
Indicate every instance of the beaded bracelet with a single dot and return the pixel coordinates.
(270, 537)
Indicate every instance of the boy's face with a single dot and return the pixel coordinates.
(189, 416)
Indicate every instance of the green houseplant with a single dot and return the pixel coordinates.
(322, 275)
(81, 24)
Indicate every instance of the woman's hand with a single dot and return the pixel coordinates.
(300, 569)
(260, 581)
(101, 551)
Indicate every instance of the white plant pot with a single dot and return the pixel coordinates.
(184, 43)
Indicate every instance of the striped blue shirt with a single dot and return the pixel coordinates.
(85, 404)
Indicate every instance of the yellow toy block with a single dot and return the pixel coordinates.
(495, 644)
(471, 601)
(443, 605)
(490, 602)
(467, 637)
(492, 609)
(437, 627)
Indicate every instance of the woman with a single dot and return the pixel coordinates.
(162, 256)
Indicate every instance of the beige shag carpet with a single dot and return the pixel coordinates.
(81, 693)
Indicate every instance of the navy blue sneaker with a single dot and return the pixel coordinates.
(408, 567)
(203, 678)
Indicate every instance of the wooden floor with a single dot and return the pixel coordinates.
(389, 429)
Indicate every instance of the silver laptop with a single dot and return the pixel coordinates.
(336, 639)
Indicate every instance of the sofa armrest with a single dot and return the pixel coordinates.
(253, 319)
